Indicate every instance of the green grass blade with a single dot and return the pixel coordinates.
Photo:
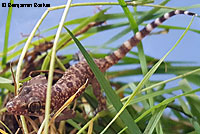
(193, 100)
(194, 122)
(113, 98)
(8, 21)
(153, 94)
(51, 68)
(178, 28)
(6, 83)
(154, 120)
(135, 29)
(74, 124)
(159, 129)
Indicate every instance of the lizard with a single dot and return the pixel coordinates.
(32, 95)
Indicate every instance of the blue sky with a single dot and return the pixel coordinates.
(24, 19)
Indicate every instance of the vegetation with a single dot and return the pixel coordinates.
(133, 107)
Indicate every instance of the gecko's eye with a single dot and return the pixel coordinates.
(34, 106)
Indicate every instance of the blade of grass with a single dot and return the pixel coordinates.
(5, 49)
(153, 94)
(2, 132)
(41, 127)
(134, 28)
(60, 65)
(121, 132)
(194, 122)
(75, 125)
(8, 86)
(159, 129)
(161, 70)
(5, 127)
(68, 102)
(177, 28)
(113, 98)
(154, 120)
(51, 69)
(193, 100)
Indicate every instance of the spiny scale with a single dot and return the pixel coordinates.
(76, 76)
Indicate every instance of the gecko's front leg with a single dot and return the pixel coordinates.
(66, 114)
(97, 92)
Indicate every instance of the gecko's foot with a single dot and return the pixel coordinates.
(100, 108)
(65, 115)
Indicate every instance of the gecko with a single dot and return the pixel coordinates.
(32, 95)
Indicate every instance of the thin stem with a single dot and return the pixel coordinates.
(111, 4)
(53, 55)
(172, 79)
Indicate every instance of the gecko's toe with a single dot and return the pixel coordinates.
(100, 108)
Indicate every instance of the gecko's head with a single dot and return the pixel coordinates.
(31, 98)
(29, 101)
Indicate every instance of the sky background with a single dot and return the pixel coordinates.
(24, 19)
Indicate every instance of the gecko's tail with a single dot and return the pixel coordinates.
(129, 44)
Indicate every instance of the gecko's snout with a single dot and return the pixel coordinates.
(15, 106)
(9, 106)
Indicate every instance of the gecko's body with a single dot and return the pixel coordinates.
(31, 99)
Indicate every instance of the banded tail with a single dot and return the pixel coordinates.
(129, 44)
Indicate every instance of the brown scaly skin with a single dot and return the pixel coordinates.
(31, 99)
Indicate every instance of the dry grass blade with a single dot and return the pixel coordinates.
(68, 102)
(13, 79)
(3, 132)
(90, 129)
(33, 124)
(41, 127)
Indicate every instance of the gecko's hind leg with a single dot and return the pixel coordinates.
(97, 92)
(66, 114)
